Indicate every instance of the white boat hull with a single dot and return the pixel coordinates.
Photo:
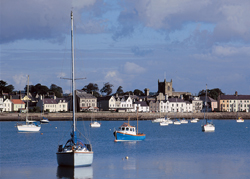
(28, 128)
(165, 123)
(158, 120)
(95, 124)
(74, 158)
(208, 128)
(239, 120)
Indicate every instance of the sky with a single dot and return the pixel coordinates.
(127, 43)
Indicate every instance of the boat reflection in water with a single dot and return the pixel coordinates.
(74, 172)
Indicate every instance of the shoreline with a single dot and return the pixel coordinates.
(113, 116)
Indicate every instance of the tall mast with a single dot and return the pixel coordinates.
(27, 110)
(73, 72)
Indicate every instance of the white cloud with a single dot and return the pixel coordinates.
(20, 81)
(230, 50)
(113, 77)
(133, 68)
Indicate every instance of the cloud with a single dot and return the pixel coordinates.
(138, 52)
(20, 81)
(230, 19)
(133, 68)
(44, 19)
(230, 50)
(113, 78)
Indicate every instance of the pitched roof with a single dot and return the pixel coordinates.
(233, 97)
(49, 101)
(17, 101)
(83, 94)
(209, 99)
(143, 103)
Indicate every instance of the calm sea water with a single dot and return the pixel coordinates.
(168, 151)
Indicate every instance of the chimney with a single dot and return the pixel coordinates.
(236, 93)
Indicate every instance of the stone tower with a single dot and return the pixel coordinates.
(165, 87)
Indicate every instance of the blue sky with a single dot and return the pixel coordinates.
(128, 43)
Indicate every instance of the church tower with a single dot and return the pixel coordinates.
(165, 87)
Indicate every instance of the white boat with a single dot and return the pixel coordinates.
(177, 122)
(194, 120)
(239, 119)
(44, 120)
(208, 126)
(74, 153)
(29, 126)
(169, 120)
(184, 121)
(95, 124)
(158, 120)
(164, 123)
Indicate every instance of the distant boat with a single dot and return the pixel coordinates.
(127, 132)
(74, 153)
(208, 126)
(29, 126)
(194, 120)
(157, 120)
(184, 121)
(164, 123)
(95, 124)
(239, 119)
(177, 122)
(44, 120)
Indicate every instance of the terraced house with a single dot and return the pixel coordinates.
(234, 103)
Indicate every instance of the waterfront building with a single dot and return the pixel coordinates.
(212, 104)
(234, 103)
(142, 106)
(17, 104)
(197, 104)
(7, 105)
(86, 101)
(1, 104)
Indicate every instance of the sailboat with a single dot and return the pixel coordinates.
(43, 119)
(208, 126)
(127, 132)
(95, 123)
(29, 126)
(74, 153)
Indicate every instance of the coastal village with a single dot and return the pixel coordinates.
(164, 101)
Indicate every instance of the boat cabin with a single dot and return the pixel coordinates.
(128, 129)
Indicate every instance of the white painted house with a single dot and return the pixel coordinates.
(7, 105)
(142, 106)
(1, 104)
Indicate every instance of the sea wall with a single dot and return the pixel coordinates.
(120, 116)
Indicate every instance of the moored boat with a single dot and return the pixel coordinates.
(74, 153)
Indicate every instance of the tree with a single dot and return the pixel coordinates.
(4, 87)
(91, 87)
(213, 93)
(138, 92)
(37, 89)
(57, 90)
(107, 88)
(119, 90)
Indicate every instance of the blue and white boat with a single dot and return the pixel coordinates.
(127, 132)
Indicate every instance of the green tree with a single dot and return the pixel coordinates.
(119, 90)
(107, 88)
(213, 93)
(57, 90)
(4, 87)
(91, 87)
(138, 92)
